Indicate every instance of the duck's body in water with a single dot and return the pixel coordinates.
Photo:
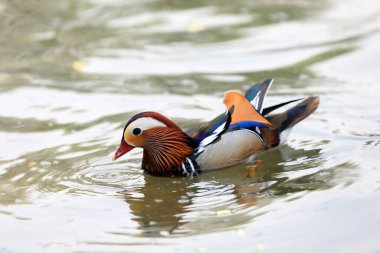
(230, 139)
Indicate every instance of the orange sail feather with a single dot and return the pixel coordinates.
(243, 110)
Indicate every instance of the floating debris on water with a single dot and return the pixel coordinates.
(196, 27)
(32, 164)
(260, 247)
(223, 212)
(240, 232)
(164, 233)
(78, 65)
(202, 249)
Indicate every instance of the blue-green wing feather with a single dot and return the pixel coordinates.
(257, 93)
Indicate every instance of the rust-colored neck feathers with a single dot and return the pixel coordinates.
(165, 149)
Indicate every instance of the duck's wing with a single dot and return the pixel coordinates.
(257, 93)
(210, 131)
(246, 116)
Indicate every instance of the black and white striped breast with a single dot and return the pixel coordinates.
(190, 167)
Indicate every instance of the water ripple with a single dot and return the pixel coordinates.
(73, 72)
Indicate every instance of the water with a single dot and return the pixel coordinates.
(73, 72)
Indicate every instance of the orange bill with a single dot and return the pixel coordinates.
(123, 148)
(243, 111)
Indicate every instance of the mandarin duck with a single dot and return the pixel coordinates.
(232, 138)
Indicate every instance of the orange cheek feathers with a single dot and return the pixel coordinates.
(136, 141)
(243, 111)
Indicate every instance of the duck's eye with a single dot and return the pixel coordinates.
(136, 131)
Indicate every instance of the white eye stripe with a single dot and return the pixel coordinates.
(143, 124)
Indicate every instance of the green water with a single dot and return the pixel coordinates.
(73, 72)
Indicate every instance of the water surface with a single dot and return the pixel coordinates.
(73, 72)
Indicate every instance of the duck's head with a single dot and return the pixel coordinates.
(165, 144)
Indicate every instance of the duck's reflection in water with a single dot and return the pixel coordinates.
(209, 202)
(163, 205)
(158, 205)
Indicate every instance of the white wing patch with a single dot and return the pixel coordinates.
(210, 139)
(256, 100)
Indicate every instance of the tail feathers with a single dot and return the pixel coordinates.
(288, 119)
(270, 109)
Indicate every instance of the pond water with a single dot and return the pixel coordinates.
(73, 72)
